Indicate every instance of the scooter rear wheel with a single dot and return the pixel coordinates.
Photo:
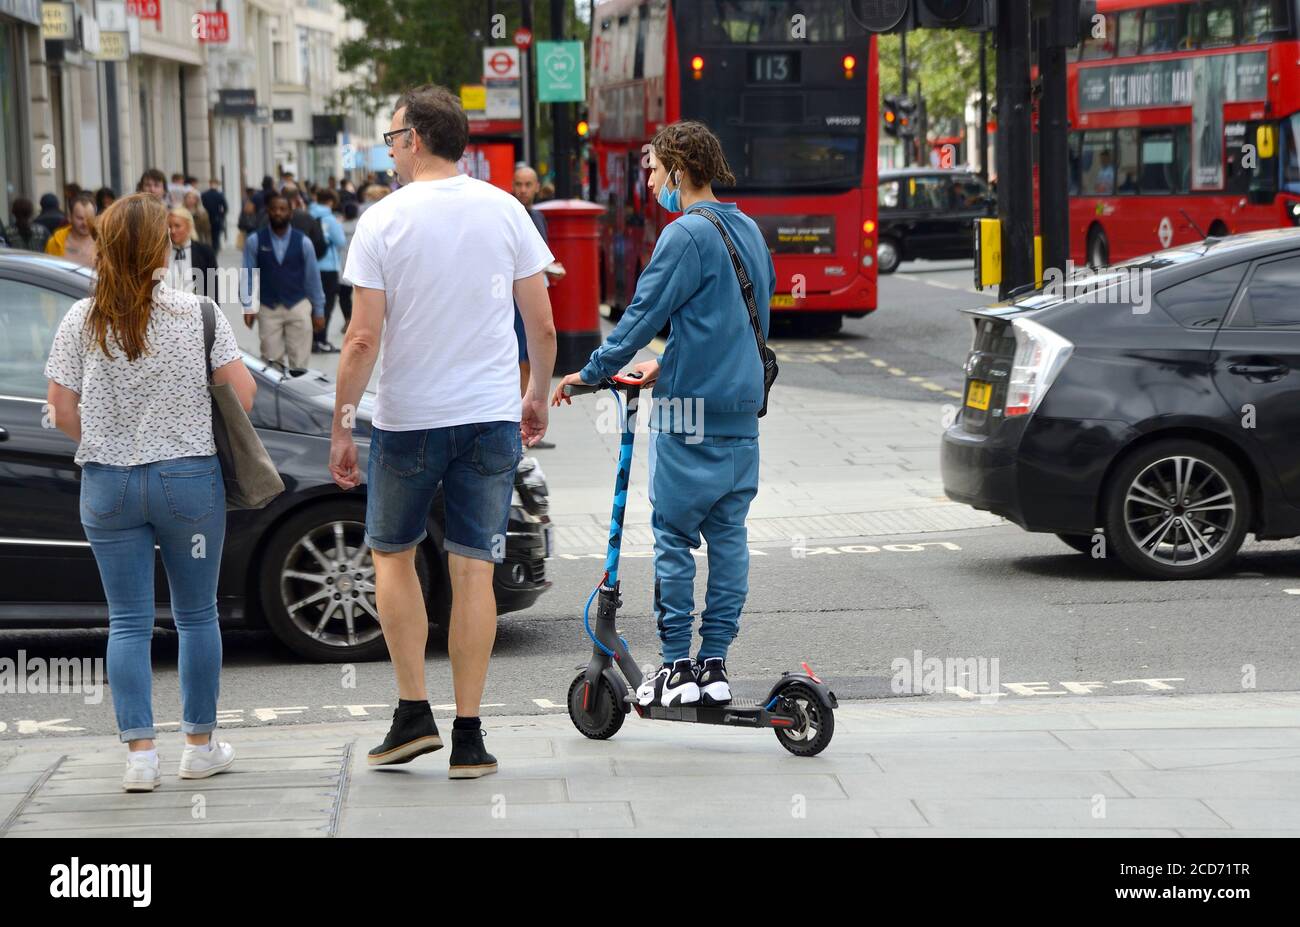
(813, 735)
(603, 715)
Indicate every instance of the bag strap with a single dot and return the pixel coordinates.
(746, 285)
(208, 309)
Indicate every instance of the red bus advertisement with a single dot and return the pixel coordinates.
(790, 88)
(1184, 124)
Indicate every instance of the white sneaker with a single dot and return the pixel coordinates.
(141, 772)
(199, 764)
(673, 684)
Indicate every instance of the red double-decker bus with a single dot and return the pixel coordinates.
(790, 88)
(1184, 124)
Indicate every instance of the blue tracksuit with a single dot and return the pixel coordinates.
(704, 426)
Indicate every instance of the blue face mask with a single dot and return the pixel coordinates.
(670, 200)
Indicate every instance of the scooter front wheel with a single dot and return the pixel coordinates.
(816, 724)
(594, 710)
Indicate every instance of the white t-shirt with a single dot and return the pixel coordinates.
(156, 407)
(446, 253)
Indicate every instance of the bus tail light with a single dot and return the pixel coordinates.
(1040, 355)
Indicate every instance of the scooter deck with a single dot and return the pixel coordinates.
(740, 712)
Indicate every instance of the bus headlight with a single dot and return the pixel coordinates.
(867, 260)
(1293, 213)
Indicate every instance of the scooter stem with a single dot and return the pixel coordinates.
(621, 482)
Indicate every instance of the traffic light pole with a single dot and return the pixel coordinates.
(1053, 149)
(984, 108)
(902, 71)
(1014, 146)
(525, 69)
(561, 124)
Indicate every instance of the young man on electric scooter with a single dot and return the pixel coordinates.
(703, 464)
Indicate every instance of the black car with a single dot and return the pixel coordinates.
(928, 213)
(283, 567)
(1167, 417)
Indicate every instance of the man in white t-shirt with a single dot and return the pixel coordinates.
(433, 268)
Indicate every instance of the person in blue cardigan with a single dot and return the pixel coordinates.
(704, 421)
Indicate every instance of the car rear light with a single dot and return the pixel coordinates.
(1040, 355)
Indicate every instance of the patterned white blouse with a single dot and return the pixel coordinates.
(156, 407)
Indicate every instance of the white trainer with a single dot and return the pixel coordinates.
(141, 772)
(199, 764)
(672, 685)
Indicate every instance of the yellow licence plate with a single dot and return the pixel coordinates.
(978, 395)
(782, 302)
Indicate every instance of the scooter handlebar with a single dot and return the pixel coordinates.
(623, 381)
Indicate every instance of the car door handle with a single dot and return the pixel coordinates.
(1266, 373)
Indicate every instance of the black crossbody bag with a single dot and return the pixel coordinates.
(766, 354)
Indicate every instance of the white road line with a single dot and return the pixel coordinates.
(946, 286)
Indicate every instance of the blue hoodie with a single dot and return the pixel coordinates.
(711, 354)
(334, 236)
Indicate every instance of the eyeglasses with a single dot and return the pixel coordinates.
(389, 136)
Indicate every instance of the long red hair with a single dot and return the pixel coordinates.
(131, 243)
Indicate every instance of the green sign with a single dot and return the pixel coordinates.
(560, 72)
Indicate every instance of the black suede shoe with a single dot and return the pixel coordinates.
(413, 734)
(468, 758)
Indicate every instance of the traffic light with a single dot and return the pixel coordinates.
(889, 112)
(907, 117)
(1067, 21)
(954, 14)
(900, 116)
(905, 15)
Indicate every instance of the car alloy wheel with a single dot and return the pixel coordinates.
(1179, 511)
(887, 257)
(327, 585)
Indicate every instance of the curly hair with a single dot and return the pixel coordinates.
(689, 146)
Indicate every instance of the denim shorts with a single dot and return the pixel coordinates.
(475, 464)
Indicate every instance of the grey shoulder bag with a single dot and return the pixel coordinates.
(765, 354)
(250, 477)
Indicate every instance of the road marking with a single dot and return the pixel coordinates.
(945, 286)
(233, 716)
(1030, 689)
(1292, 591)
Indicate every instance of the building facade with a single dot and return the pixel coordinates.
(95, 92)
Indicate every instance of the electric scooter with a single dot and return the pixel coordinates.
(799, 708)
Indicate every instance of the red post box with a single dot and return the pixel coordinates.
(573, 234)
